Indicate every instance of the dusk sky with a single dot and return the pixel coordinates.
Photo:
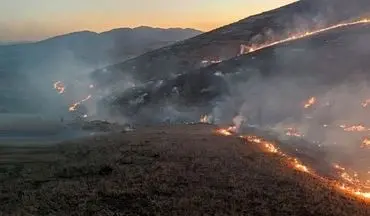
(38, 19)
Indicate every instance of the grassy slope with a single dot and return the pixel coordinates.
(161, 171)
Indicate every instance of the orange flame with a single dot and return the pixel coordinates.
(338, 167)
(293, 132)
(205, 119)
(59, 86)
(365, 103)
(299, 166)
(365, 143)
(270, 147)
(254, 48)
(226, 132)
(356, 128)
(310, 102)
(74, 106)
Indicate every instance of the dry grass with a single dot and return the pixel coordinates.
(179, 170)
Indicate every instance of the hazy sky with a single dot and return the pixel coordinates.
(37, 19)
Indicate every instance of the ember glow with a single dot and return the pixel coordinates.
(297, 36)
(310, 102)
(365, 143)
(354, 128)
(351, 184)
(74, 106)
(299, 166)
(59, 86)
(269, 146)
(227, 132)
(365, 103)
(224, 132)
(293, 132)
(205, 119)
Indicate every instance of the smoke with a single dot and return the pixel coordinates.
(272, 96)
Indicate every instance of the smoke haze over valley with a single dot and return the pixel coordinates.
(290, 86)
(28, 70)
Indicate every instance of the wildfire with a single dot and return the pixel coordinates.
(293, 132)
(205, 119)
(268, 146)
(365, 143)
(365, 103)
(226, 132)
(74, 106)
(299, 166)
(310, 102)
(338, 167)
(353, 191)
(354, 186)
(354, 128)
(254, 48)
(59, 86)
(349, 176)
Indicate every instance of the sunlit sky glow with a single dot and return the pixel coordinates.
(38, 19)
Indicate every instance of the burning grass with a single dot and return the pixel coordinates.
(165, 170)
(347, 182)
(300, 35)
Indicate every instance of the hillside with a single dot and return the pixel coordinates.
(224, 43)
(311, 66)
(315, 65)
(33, 67)
(164, 170)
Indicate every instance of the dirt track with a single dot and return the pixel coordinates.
(178, 170)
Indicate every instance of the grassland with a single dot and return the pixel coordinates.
(164, 170)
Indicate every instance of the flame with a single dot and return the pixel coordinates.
(365, 143)
(310, 102)
(299, 166)
(59, 86)
(226, 132)
(205, 119)
(293, 132)
(74, 106)
(353, 186)
(356, 128)
(365, 103)
(254, 48)
(338, 167)
(268, 146)
(353, 191)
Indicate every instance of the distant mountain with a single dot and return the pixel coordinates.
(224, 43)
(30, 68)
(94, 49)
(2, 43)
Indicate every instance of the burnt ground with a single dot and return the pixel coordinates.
(164, 170)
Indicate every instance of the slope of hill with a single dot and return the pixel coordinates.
(33, 67)
(303, 68)
(165, 170)
(224, 43)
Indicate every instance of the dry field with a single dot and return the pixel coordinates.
(166, 170)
